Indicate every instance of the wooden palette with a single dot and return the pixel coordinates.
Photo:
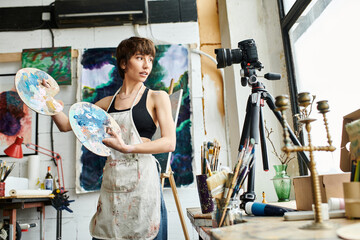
(28, 83)
(89, 123)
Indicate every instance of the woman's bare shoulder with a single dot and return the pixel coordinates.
(160, 99)
(104, 102)
(158, 94)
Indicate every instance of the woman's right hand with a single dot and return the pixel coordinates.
(116, 142)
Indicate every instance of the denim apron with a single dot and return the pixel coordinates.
(129, 202)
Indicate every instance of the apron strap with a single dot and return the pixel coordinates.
(132, 105)
(113, 99)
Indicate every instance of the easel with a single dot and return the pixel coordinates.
(170, 176)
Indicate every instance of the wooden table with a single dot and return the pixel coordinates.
(271, 228)
(201, 222)
(10, 205)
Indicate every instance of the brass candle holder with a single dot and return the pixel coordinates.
(304, 100)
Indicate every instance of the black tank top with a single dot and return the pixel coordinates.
(142, 119)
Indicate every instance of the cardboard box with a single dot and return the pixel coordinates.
(331, 185)
(345, 160)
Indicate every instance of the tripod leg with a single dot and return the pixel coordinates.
(246, 128)
(251, 130)
(263, 142)
(255, 117)
(271, 103)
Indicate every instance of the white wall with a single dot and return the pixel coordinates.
(239, 20)
(258, 20)
(75, 225)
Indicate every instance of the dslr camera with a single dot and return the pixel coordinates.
(246, 55)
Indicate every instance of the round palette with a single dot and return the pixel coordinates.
(28, 83)
(89, 123)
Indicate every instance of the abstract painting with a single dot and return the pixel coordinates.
(16, 119)
(54, 61)
(100, 78)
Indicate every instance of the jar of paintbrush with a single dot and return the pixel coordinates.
(233, 212)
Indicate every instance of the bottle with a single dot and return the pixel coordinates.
(49, 180)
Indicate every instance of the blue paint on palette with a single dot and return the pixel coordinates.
(34, 94)
(89, 123)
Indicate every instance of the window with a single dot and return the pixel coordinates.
(324, 46)
(288, 4)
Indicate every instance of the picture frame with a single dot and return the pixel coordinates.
(99, 78)
(17, 119)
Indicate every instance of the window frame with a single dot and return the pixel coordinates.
(286, 22)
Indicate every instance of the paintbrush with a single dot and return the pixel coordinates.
(8, 172)
(208, 167)
(202, 159)
(1, 172)
(213, 160)
(217, 157)
(216, 184)
(236, 173)
(243, 174)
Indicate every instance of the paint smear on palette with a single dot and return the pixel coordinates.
(89, 123)
(34, 94)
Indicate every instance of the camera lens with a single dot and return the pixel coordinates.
(236, 56)
(226, 57)
(222, 57)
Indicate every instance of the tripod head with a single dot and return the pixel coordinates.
(248, 58)
(251, 79)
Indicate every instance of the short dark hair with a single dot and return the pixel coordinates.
(129, 47)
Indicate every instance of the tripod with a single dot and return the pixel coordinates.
(254, 128)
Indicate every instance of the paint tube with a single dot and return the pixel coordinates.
(263, 209)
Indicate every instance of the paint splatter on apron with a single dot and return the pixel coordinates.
(129, 202)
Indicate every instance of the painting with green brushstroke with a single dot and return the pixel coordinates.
(100, 78)
(54, 61)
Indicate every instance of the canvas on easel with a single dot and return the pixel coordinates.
(164, 159)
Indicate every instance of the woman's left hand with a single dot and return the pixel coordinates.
(116, 142)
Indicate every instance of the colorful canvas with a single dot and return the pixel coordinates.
(16, 119)
(171, 62)
(54, 61)
(34, 94)
(89, 123)
(100, 78)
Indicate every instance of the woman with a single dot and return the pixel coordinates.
(130, 205)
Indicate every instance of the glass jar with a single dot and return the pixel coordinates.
(233, 213)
